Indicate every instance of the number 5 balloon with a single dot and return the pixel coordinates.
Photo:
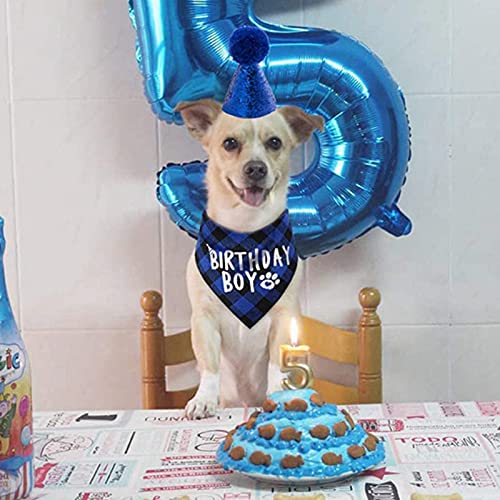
(354, 180)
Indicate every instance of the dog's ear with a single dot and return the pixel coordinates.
(301, 123)
(199, 116)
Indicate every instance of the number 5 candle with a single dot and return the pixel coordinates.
(294, 361)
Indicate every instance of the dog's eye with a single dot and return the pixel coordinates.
(230, 144)
(274, 143)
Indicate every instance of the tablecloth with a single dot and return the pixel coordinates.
(432, 448)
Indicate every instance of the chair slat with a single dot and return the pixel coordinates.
(178, 349)
(335, 393)
(178, 399)
(330, 342)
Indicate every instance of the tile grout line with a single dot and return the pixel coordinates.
(450, 242)
(483, 93)
(70, 331)
(454, 93)
(158, 211)
(307, 263)
(451, 116)
(450, 46)
(426, 326)
(81, 98)
(13, 159)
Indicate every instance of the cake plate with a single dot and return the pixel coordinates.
(300, 481)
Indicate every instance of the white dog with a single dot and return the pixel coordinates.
(247, 182)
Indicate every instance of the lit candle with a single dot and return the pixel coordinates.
(294, 361)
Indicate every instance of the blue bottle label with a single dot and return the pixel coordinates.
(16, 423)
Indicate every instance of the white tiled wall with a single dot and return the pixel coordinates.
(79, 150)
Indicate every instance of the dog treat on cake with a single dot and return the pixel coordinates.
(290, 434)
(297, 436)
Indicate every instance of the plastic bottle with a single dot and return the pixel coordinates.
(16, 421)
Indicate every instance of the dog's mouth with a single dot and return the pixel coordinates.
(253, 196)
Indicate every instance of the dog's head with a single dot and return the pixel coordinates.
(248, 158)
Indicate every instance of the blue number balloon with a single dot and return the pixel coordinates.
(354, 180)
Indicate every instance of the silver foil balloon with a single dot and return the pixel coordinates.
(354, 180)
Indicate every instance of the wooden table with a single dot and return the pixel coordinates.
(432, 448)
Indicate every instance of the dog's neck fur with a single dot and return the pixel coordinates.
(226, 210)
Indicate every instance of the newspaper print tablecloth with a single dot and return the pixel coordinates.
(432, 448)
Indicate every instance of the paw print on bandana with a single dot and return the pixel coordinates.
(269, 280)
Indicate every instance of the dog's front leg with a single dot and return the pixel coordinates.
(206, 340)
(278, 335)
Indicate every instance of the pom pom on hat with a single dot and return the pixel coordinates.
(249, 45)
(249, 94)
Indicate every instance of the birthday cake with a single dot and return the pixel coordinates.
(298, 436)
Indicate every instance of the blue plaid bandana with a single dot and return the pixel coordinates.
(248, 272)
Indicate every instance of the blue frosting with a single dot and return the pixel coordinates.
(310, 448)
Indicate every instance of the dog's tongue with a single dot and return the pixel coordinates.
(253, 196)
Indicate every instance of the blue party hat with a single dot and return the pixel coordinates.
(249, 94)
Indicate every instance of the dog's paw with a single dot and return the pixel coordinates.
(200, 408)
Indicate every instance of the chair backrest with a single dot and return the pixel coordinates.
(362, 349)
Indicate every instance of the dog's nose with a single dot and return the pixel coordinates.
(255, 170)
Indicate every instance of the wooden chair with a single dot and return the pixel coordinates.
(361, 350)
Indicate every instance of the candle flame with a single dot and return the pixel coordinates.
(294, 332)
